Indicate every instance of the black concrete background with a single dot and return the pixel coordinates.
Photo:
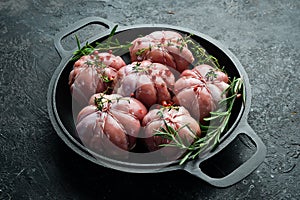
(36, 164)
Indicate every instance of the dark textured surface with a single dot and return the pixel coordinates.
(36, 164)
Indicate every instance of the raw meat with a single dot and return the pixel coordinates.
(148, 82)
(199, 90)
(93, 74)
(166, 47)
(110, 124)
(179, 119)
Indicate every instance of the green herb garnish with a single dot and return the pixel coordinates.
(107, 45)
(82, 51)
(137, 68)
(211, 75)
(213, 132)
(103, 102)
(171, 134)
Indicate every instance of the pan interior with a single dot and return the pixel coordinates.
(63, 100)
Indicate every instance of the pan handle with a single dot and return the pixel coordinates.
(75, 27)
(239, 173)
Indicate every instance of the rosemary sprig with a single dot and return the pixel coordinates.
(82, 51)
(169, 133)
(107, 45)
(212, 132)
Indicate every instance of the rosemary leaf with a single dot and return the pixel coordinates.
(219, 113)
(185, 158)
(113, 31)
(211, 118)
(78, 42)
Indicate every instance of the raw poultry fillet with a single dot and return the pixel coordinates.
(110, 123)
(199, 90)
(166, 47)
(93, 74)
(148, 82)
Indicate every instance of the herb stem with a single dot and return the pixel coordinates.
(213, 133)
(109, 44)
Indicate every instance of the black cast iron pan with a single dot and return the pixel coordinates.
(61, 115)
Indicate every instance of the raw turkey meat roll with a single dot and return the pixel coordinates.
(110, 123)
(199, 90)
(93, 74)
(179, 119)
(166, 47)
(148, 82)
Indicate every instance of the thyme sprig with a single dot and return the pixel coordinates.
(213, 132)
(98, 64)
(202, 57)
(142, 50)
(137, 68)
(179, 44)
(102, 101)
(211, 75)
(107, 45)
